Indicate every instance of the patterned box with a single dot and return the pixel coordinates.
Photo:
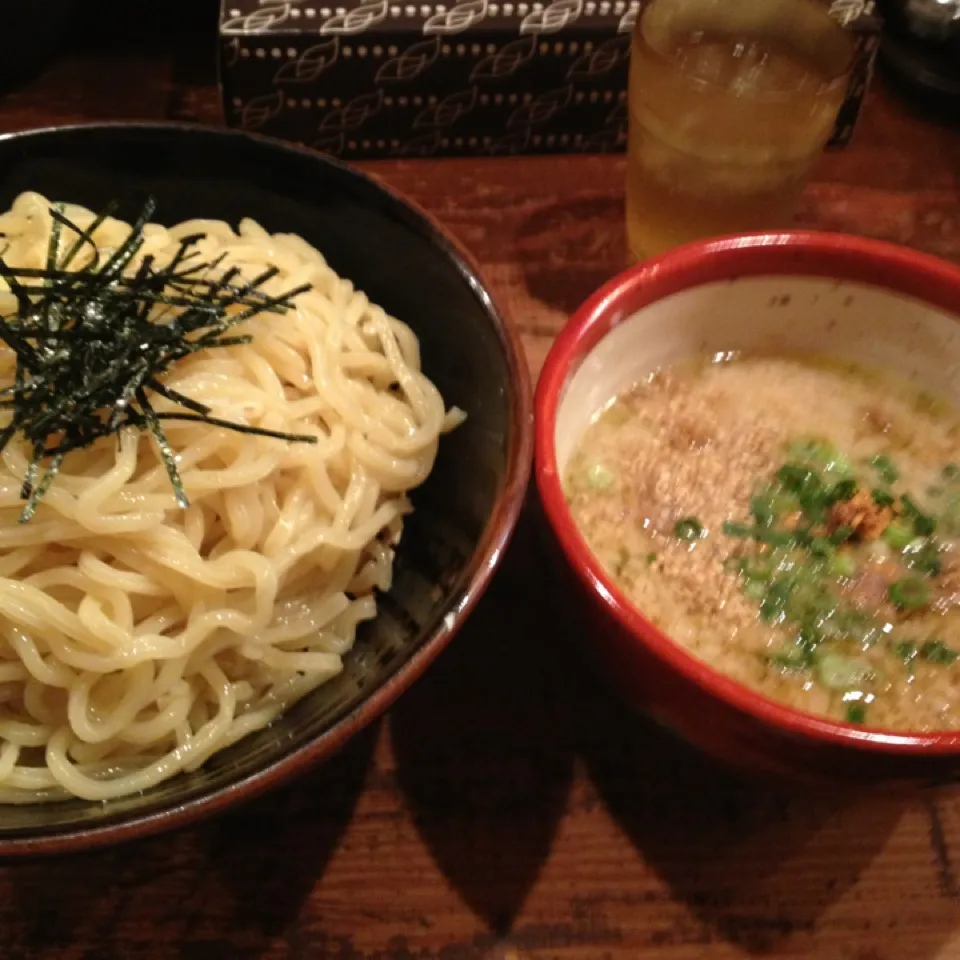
(375, 78)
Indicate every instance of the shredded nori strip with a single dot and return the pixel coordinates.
(91, 344)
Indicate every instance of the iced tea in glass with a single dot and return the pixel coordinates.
(731, 101)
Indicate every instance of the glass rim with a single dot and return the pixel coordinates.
(833, 80)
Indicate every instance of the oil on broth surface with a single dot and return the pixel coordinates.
(793, 522)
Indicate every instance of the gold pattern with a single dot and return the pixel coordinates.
(618, 115)
(410, 63)
(448, 110)
(352, 114)
(231, 51)
(310, 64)
(358, 20)
(332, 144)
(542, 109)
(605, 140)
(553, 18)
(460, 18)
(511, 144)
(259, 110)
(422, 146)
(508, 59)
(629, 20)
(259, 21)
(597, 62)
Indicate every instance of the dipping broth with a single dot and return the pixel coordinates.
(794, 523)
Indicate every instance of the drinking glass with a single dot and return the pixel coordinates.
(731, 102)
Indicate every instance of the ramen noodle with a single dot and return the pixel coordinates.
(138, 636)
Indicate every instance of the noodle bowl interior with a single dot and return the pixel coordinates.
(139, 636)
(794, 522)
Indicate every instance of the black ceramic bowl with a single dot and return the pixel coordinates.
(463, 515)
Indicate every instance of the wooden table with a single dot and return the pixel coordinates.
(518, 813)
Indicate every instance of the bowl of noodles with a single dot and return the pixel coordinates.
(263, 439)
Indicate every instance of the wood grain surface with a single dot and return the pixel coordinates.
(508, 807)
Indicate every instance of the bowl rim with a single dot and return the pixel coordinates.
(487, 553)
(877, 263)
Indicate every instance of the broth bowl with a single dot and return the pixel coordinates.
(786, 293)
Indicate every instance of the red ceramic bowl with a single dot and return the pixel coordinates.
(840, 295)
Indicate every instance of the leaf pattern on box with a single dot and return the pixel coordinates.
(600, 61)
(332, 144)
(508, 59)
(410, 63)
(605, 140)
(424, 146)
(456, 20)
(310, 64)
(353, 113)
(259, 110)
(259, 21)
(504, 68)
(629, 20)
(542, 109)
(231, 52)
(511, 144)
(618, 115)
(553, 18)
(357, 20)
(448, 110)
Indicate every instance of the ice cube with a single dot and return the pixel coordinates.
(706, 60)
(761, 70)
